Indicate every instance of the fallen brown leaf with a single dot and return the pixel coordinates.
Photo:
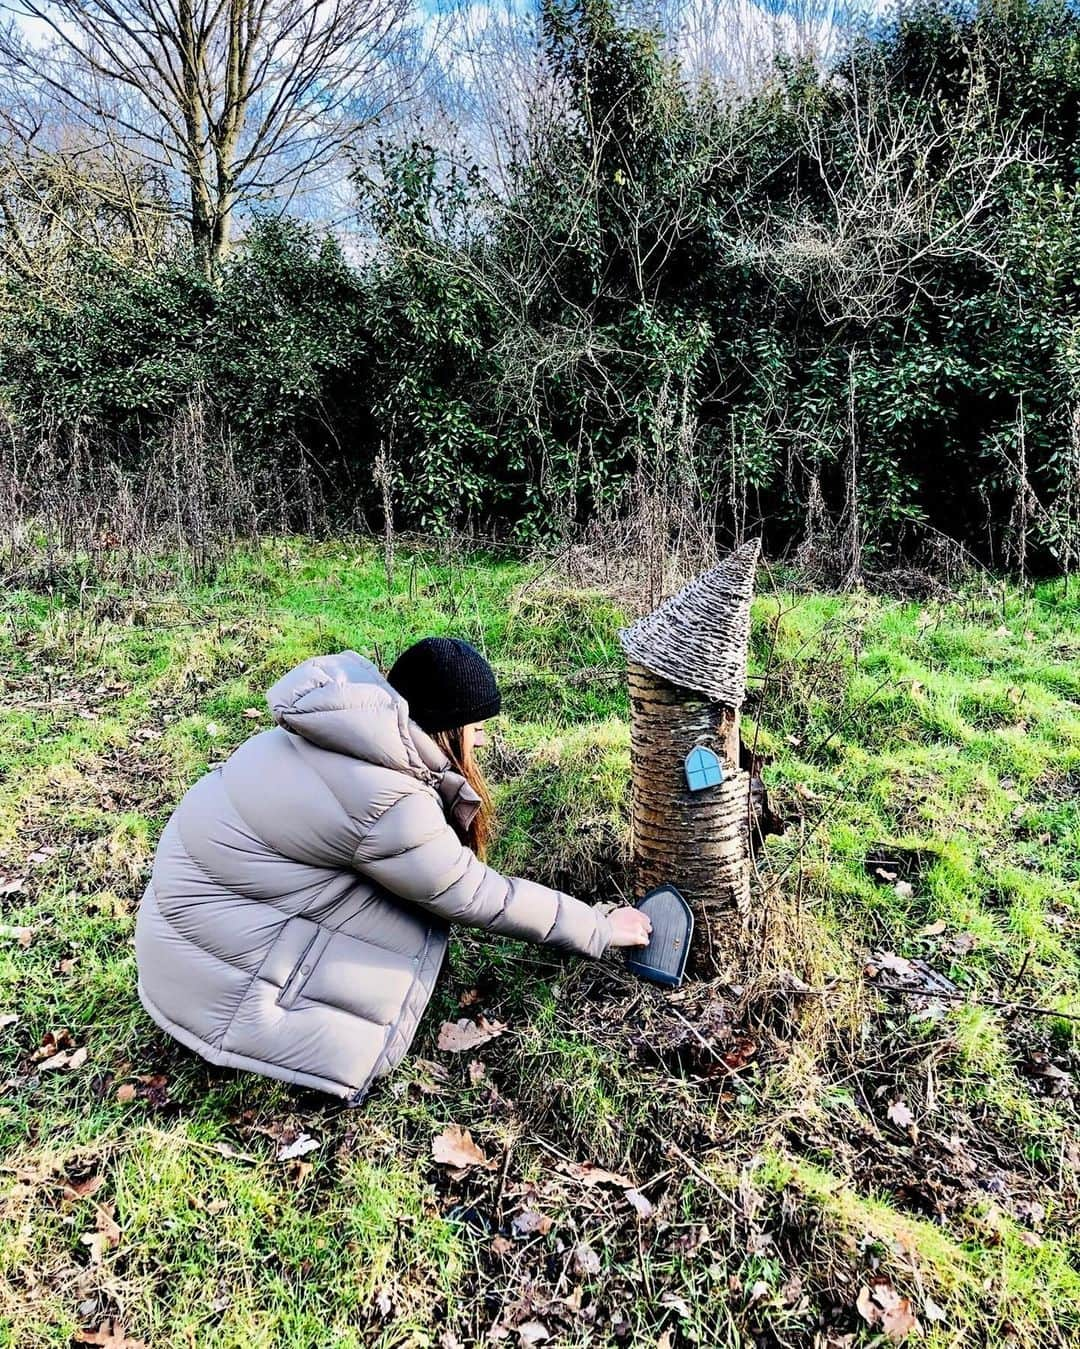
(457, 1036)
(57, 1051)
(594, 1175)
(454, 1147)
(677, 1304)
(899, 1321)
(879, 1304)
(740, 1054)
(585, 1260)
(436, 1072)
(109, 1335)
(1039, 1065)
(81, 1189)
(105, 1236)
(897, 964)
(154, 1088)
(298, 1172)
(530, 1222)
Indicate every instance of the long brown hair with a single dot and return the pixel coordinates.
(476, 836)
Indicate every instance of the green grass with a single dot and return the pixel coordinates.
(948, 732)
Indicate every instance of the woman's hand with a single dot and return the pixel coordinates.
(629, 927)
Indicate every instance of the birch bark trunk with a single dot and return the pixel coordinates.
(696, 841)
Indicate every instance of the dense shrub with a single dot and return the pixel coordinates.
(277, 352)
(851, 295)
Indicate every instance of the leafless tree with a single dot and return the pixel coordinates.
(235, 101)
(64, 192)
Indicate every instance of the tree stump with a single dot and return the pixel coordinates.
(697, 841)
(687, 674)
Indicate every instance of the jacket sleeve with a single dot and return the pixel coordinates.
(412, 851)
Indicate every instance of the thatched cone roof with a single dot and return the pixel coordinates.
(698, 637)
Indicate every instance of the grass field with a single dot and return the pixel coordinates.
(802, 1159)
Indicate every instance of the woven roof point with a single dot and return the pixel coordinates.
(698, 637)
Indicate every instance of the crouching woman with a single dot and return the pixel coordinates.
(297, 914)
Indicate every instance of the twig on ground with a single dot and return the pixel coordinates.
(497, 1198)
(673, 1147)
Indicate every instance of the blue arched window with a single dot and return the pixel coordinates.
(703, 769)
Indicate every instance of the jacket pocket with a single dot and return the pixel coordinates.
(358, 977)
(289, 958)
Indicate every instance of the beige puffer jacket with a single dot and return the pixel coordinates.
(297, 913)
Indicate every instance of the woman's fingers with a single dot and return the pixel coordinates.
(630, 927)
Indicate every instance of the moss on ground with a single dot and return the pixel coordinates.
(798, 1141)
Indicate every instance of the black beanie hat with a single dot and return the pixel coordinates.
(446, 682)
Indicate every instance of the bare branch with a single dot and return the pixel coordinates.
(232, 98)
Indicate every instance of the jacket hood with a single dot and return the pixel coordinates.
(343, 704)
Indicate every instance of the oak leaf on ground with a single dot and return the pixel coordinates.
(881, 1306)
(455, 1148)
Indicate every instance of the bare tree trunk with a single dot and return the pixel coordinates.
(697, 841)
(192, 112)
